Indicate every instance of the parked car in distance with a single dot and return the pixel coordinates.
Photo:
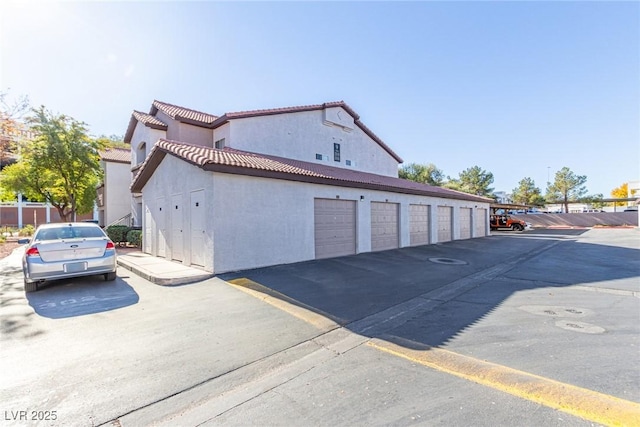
(631, 209)
(503, 220)
(60, 251)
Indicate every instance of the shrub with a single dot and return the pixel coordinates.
(3, 238)
(117, 233)
(27, 230)
(134, 237)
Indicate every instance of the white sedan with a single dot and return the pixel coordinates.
(60, 251)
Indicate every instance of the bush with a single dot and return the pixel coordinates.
(27, 230)
(134, 237)
(117, 233)
(3, 238)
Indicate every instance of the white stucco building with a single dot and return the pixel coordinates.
(113, 194)
(258, 188)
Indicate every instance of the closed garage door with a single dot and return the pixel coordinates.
(444, 223)
(335, 227)
(465, 223)
(480, 223)
(418, 225)
(384, 226)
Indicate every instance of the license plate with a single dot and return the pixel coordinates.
(74, 267)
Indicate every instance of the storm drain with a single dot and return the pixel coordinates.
(449, 261)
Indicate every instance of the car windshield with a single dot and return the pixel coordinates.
(68, 233)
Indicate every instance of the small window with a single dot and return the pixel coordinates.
(219, 144)
(318, 156)
(336, 152)
(347, 162)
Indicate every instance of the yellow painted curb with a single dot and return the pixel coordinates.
(590, 405)
(315, 317)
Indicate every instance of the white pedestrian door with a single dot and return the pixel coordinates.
(148, 227)
(176, 227)
(196, 209)
(161, 227)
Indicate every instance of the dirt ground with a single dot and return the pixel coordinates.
(7, 247)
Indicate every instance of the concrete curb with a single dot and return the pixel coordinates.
(162, 272)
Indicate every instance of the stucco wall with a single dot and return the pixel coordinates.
(175, 177)
(117, 179)
(145, 134)
(268, 222)
(254, 222)
(184, 132)
(302, 135)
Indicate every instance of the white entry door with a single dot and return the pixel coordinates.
(161, 225)
(176, 227)
(148, 230)
(196, 209)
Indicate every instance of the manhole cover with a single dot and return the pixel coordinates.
(556, 311)
(585, 328)
(450, 261)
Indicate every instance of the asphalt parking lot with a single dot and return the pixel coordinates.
(448, 334)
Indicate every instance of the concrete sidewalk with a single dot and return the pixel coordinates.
(160, 270)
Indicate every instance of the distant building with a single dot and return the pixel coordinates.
(503, 197)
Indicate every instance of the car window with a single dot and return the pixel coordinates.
(69, 233)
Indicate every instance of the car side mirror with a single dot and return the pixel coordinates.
(23, 241)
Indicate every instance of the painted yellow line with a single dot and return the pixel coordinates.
(590, 405)
(315, 317)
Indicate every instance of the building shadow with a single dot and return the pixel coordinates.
(351, 289)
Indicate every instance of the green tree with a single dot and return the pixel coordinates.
(425, 174)
(621, 192)
(11, 128)
(566, 188)
(61, 165)
(473, 180)
(113, 141)
(527, 193)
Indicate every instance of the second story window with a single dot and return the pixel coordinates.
(219, 144)
(336, 152)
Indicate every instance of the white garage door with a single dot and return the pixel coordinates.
(444, 223)
(384, 226)
(465, 223)
(334, 227)
(418, 225)
(480, 223)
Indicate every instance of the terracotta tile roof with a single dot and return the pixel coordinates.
(182, 114)
(149, 120)
(199, 118)
(144, 118)
(229, 160)
(118, 155)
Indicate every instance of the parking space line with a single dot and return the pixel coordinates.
(587, 404)
(313, 316)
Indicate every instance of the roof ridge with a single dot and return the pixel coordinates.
(168, 104)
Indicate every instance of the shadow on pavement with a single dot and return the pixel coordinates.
(81, 296)
(349, 289)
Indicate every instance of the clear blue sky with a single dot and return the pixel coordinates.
(520, 89)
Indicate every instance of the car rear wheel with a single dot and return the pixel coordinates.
(109, 277)
(30, 286)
